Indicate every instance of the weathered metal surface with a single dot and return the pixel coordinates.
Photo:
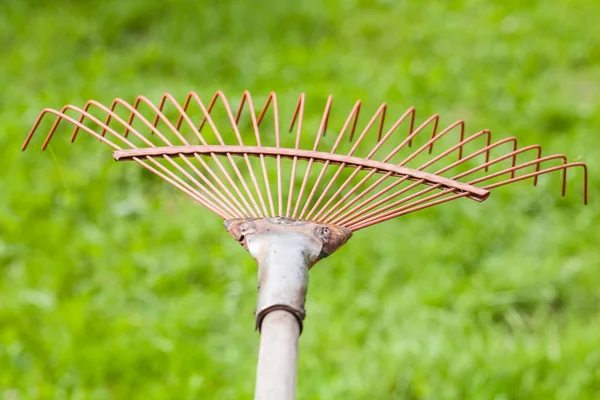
(332, 237)
(474, 192)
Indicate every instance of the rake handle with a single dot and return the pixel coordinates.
(285, 249)
(283, 261)
(277, 367)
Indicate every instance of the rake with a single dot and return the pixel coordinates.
(293, 199)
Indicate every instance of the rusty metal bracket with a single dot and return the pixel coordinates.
(285, 250)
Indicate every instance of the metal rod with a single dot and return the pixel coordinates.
(474, 192)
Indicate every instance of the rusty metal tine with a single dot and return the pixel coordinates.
(430, 141)
(410, 208)
(298, 113)
(99, 123)
(299, 105)
(209, 109)
(184, 107)
(238, 135)
(320, 134)
(247, 96)
(236, 169)
(237, 209)
(159, 134)
(325, 211)
(564, 167)
(521, 166)
(238, 206)
(367, 213)
(410, 112)
(355, 110)
(334, 218)
(356, 115)
(181, 185)
(347, 215)
(246, 206)
(389, 198)
(405, 210)
(60, 115)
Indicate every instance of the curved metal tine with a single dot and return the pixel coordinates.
(404, 162)
(272, 99)
(184, 107)
(60, 115)
(209, 109)
(108, 119)
(387, 158)
(247, 99)
(159, 116)
(181, 185)
(322, 212)
(376, 217)
(243, 209)
(132, 115)
(564, 167)
(298, 114)
(348, 215)
(355, 111)
(236, 169)
(433, 139)
(238, 135)
(198, 197)
(390, 208)
(354, 114)
(512, 154)
(405, 210)
(460, 139)
(164, 139)
(372, 210)
(104, 127)
(431, 188)
(162, 103)
(240, 210)
(153, 128)
(320, 134)
(233, 209)
(410, 112)
(525, 165)
(336, 217)
(409, 208)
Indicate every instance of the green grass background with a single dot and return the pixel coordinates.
(114, 287)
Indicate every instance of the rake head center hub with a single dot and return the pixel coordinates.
(330, 237)
(285, 250)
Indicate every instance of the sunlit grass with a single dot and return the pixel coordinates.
(114, 286)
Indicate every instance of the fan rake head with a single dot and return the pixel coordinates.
(238, 162)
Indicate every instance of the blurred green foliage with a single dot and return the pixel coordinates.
(116, 287)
